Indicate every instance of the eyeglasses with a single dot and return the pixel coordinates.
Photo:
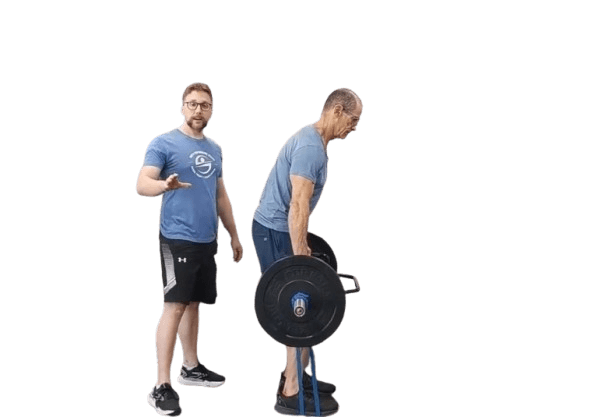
(192, 105)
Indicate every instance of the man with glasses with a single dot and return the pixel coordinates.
(280, 222)
(185, 167)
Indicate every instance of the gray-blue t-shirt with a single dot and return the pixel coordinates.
(303, 155)
(188, 213)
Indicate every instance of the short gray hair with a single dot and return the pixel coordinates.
(343, 96)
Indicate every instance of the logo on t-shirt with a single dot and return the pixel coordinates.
(204, 164)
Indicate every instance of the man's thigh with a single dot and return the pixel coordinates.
(270, 245)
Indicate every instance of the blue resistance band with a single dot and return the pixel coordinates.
(314, 382)
(300, 381)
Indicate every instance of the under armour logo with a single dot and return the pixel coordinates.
(183, 260)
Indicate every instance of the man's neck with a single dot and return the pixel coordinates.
(191, 132)
(325, 130)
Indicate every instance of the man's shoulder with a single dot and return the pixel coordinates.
(301, 138)
(306, 136)
(165, 138)
(308, 139)
(306, 132)
(212, 142)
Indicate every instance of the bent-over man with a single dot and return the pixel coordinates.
(280, 223)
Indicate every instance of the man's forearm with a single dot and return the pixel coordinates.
(225, 212)
(298, 221)
(151, 188)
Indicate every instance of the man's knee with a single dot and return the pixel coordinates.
(177, 309)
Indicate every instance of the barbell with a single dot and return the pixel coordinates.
(300, 300)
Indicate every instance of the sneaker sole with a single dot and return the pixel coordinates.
(208, 384)
(293, 411)
(152, 402)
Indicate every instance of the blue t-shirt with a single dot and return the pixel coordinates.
(188, 213)
(303, 155)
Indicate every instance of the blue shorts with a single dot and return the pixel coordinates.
(270, 245)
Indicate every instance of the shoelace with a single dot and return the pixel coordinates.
(166, 393)
(306, 380)
(200, 369)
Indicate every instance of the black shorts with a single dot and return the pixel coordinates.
(188, 271)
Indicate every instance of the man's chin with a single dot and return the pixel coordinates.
(197, 124)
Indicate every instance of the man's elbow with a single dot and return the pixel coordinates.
(142, 189)
(139, 188)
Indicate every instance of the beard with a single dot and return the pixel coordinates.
(202, 123)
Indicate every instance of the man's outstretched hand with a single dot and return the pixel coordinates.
(173, 183)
